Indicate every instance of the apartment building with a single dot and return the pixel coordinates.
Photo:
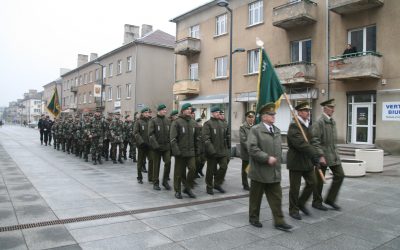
(138, 74)
(302, 39)
(31, 106)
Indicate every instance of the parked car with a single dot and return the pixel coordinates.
(33, 124)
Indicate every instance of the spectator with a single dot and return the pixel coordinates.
(349, 50)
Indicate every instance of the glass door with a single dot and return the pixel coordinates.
(362, 124)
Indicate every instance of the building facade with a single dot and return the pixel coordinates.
(138, 74)
(31, 106)
(302, 39)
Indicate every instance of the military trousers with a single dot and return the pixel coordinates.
(46, 136)
(200, 162)
(295, 181)
(166, 157)
(96, 148)
(245, 181)
(180, 176)
(143, 153)
(106, 148)
(116, 146)
(273, 192)
(337, 180)
(86, 148)
(215, 175)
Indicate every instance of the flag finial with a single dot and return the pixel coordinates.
(259, 42)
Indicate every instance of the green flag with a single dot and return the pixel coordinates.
(269, 88)
(54, 105)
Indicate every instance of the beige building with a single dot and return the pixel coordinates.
(138, 74)
(302, 39)
(48, 92)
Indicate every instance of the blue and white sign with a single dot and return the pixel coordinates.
(391, 111)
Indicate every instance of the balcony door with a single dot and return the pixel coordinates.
(362, 124)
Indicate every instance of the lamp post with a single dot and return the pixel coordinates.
(102, 84)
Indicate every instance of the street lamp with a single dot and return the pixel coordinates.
(102, 84)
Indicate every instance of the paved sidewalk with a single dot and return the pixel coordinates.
(39, 184)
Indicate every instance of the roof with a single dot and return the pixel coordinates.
(57, 81)
(155, 38)
(199, 9)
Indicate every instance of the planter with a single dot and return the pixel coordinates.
(353, 167)
(373, 159)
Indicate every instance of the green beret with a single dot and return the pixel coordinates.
(174, 112)
(215, 109)
(303, 105)
(144, 110)
(329, 103)
(186, 106)
(161, 107)
(268, 108)
(251, 112)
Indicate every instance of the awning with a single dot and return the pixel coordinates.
(207, 99)
(303, 94)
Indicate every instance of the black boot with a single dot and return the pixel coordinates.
(99, 160)
(94, 161)
(120, 161)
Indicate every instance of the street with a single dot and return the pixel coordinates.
(65, 203)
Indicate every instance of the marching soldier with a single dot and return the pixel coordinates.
(214, 138)
(227, 135)
(76, 139)
(159, 142)
(200, 156)
(116, 132)
(300, 161)
(173, 115)
(86, 128)
(96, 138)
(54, 131)
(184, 143)
(107, 136)
(324, 138)
(142, 141)
(61, 138)
(244, 152)
(68, 130)
(265, 149)
(127, 138)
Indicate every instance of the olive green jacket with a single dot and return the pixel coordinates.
(244, 131)
(324, 138)
(183, 137)
(262, 144)
(141, 132)
(214, 138)
(159, 133)
(301, 153)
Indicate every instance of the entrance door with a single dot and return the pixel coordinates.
(362, 124)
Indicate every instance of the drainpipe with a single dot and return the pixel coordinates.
(327, 44)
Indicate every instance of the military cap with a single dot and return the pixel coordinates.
(127, 116)
(144, 110)
(250, 112)
(193, 110)
(198, 120)
(215, 109)
(222, 112)
(186, 106)
(268, 108)
(161, 107)
(117, 112)
(174, 112)
(329, 103)
(302, 105)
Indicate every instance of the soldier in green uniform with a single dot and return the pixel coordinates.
(301, 158)
(227, 135)
(184, 143)
(214, 138)
(142, 140)
(265, 150)
(324, 138)
(54, 131)
(60, 132)
(160, 148)
(96, 137)
(173, 115)
(116, 132)
(127, 141)
(68, 130)
(76, 137)
(200, 156)
(244, 152)
(85, 132)
(107, 136)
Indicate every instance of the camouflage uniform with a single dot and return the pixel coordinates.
(76, 141)
(127, 137)
(107, 137)
(61, 138)
(54, 131)
(85, 135)
(68, 130)
(96, 138)
(117, 132)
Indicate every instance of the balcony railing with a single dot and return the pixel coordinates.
(187, 46)
(358, 65)
(186, 87)
(296, 73)
(295, 14)
(344, 7)
(74, 89)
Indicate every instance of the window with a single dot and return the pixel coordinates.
(90, 97)
(128, 90)
(301, 51)
(255, 13)
(129, 63)
(104, 72)
(71, 99)
(253, 61)
(79, 98)
(194, 71)
(220, 25)
(194, 31)
(220, 67)
(90, 76)
(84, 97)
(97, 74)
(119, 67)
(363, 39)
(118, 92)
(109, 93)
(85, 78)
(110, 69)
(76, 81)
(80, 80)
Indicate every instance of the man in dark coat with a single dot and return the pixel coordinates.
(301, 158)
(41, 128)
(244, 152)
(142, 141)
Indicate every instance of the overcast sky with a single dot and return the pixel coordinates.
(38, 37)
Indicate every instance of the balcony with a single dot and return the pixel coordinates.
(295, 14)
(344, 7)
(356, 66)
(74, 89)
(187, 46)
(186, 87)
(296, 73)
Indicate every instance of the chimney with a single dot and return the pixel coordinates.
(131, 32)
(63, 71)
(146, 29)
(82, 59)
(93, 56)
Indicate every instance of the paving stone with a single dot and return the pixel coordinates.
(70, 247)
(175, 219)
(47, 237)
(162, 212)
(94, 223)
(170, 246)
(35, 215)
(262, 245)
(7, 217)
(86, 211)
(12, 240)
(220, 211)
(395, 244)
(343, 242)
